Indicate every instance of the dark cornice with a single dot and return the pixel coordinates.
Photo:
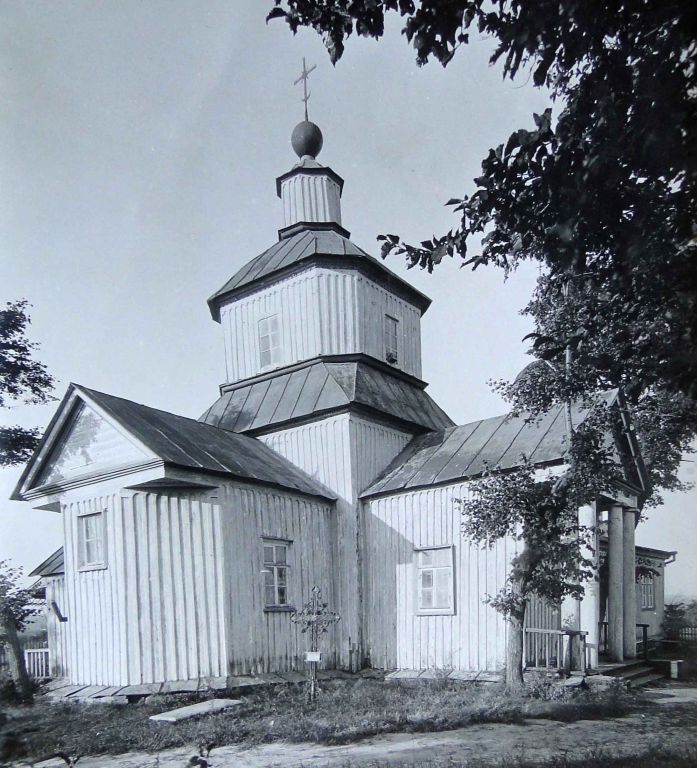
(357, 357)
(358, 408)
(324, 226)
(369, 268)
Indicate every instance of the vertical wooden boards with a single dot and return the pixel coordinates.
(153, 613)
(321, 312)
(57, 630)
(473, 638)
(374, 302)
(88, 640)
(345, 453)
(259, 640)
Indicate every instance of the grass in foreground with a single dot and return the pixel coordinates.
(346, 712)
(663, 758)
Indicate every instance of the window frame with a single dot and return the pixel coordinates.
(273, 567)
(390, 323)
(274, 352)
(647, 591)
(83, 563)
(419, 609)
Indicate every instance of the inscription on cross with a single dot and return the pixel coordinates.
(303, 78)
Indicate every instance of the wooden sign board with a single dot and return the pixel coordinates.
(313, 657)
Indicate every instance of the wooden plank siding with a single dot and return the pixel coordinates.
(259, 640)
(474, 637)
(344, 453)
(181, 595)
(321, 312)
(56, 630)
(148, 616)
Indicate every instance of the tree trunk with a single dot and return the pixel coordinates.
(18, 668)
(514, 652)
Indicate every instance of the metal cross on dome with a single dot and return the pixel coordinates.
(303, 77)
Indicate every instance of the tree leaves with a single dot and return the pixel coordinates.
(21, 378)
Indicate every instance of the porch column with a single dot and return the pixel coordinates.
(590, 604)
(615, 609)
(629, 584)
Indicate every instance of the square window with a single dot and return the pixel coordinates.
(269, 341)
(434, 582)
(275, 574)
(391, 332)
(90, 532)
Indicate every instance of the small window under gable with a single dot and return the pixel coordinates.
(275, 573)
(269, 341)
(647, 591)
(435, 587)
(91, 544)
(391, 334)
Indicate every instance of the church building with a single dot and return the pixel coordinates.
(322, 463)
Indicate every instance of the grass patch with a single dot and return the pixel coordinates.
(597, 759)
(347, 710)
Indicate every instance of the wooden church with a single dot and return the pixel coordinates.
(323, 462)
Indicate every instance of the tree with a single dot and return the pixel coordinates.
(21, 378)
(15, 609)
(600, 190)
(26, 379)
(541, 512)
(606, 191)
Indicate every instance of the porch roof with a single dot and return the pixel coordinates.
(466, 451)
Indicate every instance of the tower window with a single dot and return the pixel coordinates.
(269, 341)
(391, 326)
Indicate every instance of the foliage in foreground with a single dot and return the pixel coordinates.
(346, 712)
(666, 758)
(21, 379)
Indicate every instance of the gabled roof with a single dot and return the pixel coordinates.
(322, 387)
(464, 452)
(53, 565)
(181, 442)
(311, 242)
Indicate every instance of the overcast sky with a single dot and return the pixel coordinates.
(139, 145)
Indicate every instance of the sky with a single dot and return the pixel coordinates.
(139, 145)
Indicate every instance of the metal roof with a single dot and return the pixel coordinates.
(188, 443)
(53, 565)
(182, 442)
(464, 452)
(324, 386)
(308, 244)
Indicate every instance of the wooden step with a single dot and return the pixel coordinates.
(647, 679)
(629, 673)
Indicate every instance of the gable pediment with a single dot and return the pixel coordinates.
(88, 445)
(81, 443)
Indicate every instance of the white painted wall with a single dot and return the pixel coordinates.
(321, 312)
(310, 197)
(155, 611)
(474, 637)
(344, 453)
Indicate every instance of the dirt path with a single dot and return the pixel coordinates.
(664, 727)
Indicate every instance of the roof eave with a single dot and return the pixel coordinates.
(368, 268)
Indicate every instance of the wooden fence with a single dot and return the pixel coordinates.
(688, 633)
(555, 649)
(36, 659)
